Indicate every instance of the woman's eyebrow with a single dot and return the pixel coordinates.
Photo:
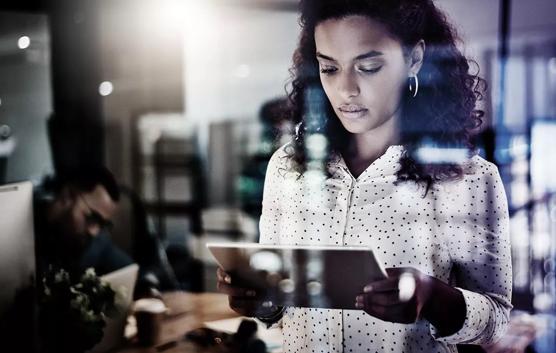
(370, 54)
(325, 57)
(367, 55)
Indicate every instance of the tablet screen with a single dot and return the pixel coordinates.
(301, 276)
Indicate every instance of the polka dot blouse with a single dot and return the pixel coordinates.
(457, 232)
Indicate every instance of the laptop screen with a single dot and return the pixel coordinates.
(17, 264)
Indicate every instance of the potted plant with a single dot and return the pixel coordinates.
(72, 311)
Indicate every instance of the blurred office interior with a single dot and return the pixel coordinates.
(168, 94)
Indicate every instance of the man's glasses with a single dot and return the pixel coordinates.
(94, 218)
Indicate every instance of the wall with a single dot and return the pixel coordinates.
(235, 59)
(25, 93)
(144, 62)
(212, 62)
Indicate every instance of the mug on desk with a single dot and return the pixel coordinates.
(149, 313)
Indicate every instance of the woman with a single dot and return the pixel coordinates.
(398, 111)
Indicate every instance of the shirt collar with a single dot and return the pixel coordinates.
(387, 164)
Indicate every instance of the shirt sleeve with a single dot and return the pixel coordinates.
(269, 223)
(476, 214)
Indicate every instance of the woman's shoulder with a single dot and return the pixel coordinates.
(282, 158)
(478, 175)
(479, 182)
(478, 168)
(282, 151)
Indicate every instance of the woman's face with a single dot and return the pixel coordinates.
(363, 72)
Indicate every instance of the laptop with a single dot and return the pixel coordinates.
(18, 301)
(123, 282)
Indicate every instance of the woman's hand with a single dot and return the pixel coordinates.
(244, 301)
(406, 296)
(399, 298)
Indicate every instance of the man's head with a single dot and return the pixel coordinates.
(84, 203)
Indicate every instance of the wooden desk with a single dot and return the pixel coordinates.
(187, 311)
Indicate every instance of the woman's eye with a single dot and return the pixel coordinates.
(370, 70)
(327, 70)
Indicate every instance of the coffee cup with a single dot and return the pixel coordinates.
(149, 313)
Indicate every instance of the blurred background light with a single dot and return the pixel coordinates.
(539, 245)
(105, 88)
(168, 17)
(434, 155)
(287, 285)
(406, 286)
(314, 177)
(169, 14)
(242, 71)
(314, 288)
(317, 146)
(267, 261)
(543, 302)
(5, 131)
(23, 42)
(552, 65)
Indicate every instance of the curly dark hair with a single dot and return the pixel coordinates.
(443, 112)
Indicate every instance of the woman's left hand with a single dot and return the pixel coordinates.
(400, 298)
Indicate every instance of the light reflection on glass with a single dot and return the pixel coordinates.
(315, 273)
(266, 261)
(552, 65)
(520, 239)
(316, 145)
(23, 42)
(287, 285)
(314, 288)
(406, 286)
(437, 155)
(105, 88)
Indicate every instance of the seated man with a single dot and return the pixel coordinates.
(73, 214)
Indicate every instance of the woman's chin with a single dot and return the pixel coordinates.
(355, 127)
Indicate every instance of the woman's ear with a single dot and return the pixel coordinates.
(416, 58)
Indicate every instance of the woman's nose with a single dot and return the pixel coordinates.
(348, 86)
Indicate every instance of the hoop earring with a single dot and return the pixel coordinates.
(415, 89)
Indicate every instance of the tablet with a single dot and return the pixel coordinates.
(302, 276)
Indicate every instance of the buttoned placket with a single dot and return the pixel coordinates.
(344, 201)
(347, 185)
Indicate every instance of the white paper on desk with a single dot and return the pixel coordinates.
(272, 337)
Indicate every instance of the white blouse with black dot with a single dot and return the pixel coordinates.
(458, 232)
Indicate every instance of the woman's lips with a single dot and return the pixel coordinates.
(353, 112)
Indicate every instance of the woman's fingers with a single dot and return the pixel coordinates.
(244, 301)
(222, 276)
(234, 291)
(386, 285)
(223, 285)
(401, 313)
(382, 298)
(384, 292)
(249, 307)
(395, 299)
(388, 307)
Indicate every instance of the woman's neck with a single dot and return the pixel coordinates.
(363, 149)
